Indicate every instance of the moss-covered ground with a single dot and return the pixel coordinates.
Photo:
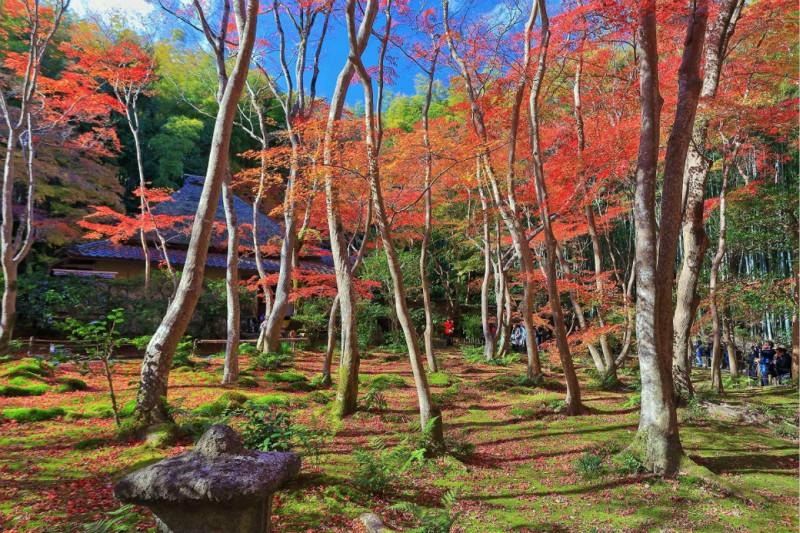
(527, 471)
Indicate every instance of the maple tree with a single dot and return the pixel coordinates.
(34, 107)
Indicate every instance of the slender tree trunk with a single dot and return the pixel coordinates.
(430, 418)
(347, 391)
(694, 181)
(230, 372)
(716, 357)
(426, 232)
(8, 313)
(506, 206)
(605, 364)
(334, 310)
(262, 273)
(489, 341)
(283, 287)
(151, 399)
(573, 399)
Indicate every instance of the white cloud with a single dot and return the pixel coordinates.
(133, 10)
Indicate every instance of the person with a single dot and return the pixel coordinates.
(698, 353)
(766, 358)
(449, 329)
(752, 365)
(724, 354)
(519, 338)
(707, 349)
(783, 366)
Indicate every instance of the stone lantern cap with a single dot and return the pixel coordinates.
(218, 470)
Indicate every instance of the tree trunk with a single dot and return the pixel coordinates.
(230, 372)
(347, 392)
(573, 399)
(262, 273)
(489, 341)
(8, 313)
(151, 399)
(430, 418)
(283, 287)
(694, 182)
(506, 206)
(426, 233)
(657, 440)
(716, 358)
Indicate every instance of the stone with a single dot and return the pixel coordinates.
(218, 487)
(373, 523)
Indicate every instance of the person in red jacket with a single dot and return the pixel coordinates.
(449, 329)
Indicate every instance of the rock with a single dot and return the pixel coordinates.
(219, 487)
(373, 523)
(733, 413)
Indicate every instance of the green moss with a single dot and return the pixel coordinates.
(32, 414)
(386, 381)
(67, 384)
(162, 436)
(21, 387)
(267, 400)
(438, 379)
(28, 366)
(227, 401)
(289, 376)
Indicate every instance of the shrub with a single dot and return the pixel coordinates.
(627, 463)
(70, 384)
(32, 414)
(320, 397)
(523, 412)
(248, 382)
(127, 409)
(787, 430)
(694, 410)
(374, 400)
(590, 466)
(433, 519)
(606, 381)
(270, 361)
(473, 354)
(272, 429)
(447, 396)
(372, 473)
(634, 400)
(247, 349)
(120, 520)
(557, 405)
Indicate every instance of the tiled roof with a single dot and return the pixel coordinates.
(184, 203)
(105, 249)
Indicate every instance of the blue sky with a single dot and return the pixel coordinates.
(146, 16)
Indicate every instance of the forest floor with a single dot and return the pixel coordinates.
(532, 469)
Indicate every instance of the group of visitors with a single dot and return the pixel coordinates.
(767, 364)
(702, 354)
